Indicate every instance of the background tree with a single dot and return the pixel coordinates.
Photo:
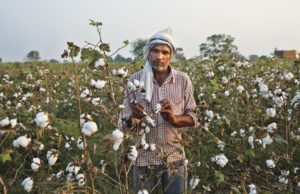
(120, 58)
(217, 45)
(179, 54)
(137, 47)
(0, 59)
(53, 61)
(33, 55)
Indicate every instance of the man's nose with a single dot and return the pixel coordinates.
(159, 55)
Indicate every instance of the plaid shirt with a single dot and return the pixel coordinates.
(179, 90)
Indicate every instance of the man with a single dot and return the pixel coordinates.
(173, 90)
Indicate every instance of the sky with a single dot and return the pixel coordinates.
(258, 26)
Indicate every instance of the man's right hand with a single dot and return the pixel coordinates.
(138, 111)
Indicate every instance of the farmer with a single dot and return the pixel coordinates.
(173, 90)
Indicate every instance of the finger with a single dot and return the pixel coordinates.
(140, 106)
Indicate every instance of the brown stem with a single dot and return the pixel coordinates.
(3, 186)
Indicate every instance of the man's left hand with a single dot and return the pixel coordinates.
(167, 111)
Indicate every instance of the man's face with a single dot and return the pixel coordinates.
(159, 57)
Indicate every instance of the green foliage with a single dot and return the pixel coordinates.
(90, 56)
(6, 155)
(219, 45)
(137, 47)
(33, 55)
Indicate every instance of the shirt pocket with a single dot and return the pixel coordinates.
(177, 104)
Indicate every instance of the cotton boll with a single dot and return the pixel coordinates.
(4, 122)
(27, 184)
(266, 141)
(240, 88)
(194, 182)
(36, 163)
(21, 141)
(283, 180)
(100, 84)
(209, 114)
(136, 83)
(226, 93)
(89, 128)
(92, 83)
(132, 154)
(67, 145)
(96, 101)
(52, 156)
(118, 134)
(158, 108)
(220, 159)
(252, 189)
(144, 191)
(131, 86)
(13, 123)
(80, 144)
(270, 163)
(99, 63)
(122, 72)
(73, 168)
(150, 121)
(271, 127)
(221, 145)
(70, 177)
(41, 119)
(251, 141)
(59, 174)
(271, 112)
(152, 147)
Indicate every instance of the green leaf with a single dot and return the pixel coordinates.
(236, 190)
(90, 55)
(278, 139)
(105, 47)
(215, 85)
(74, 50)
(126, 42)
(219, 176)
(249, 154)
(5, 156)
(94, 23)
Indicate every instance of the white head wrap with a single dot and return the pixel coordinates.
(161, 37)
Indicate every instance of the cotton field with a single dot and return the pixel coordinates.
(60, 127)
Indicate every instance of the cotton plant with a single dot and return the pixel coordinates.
(27, 184)
(209, 115)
